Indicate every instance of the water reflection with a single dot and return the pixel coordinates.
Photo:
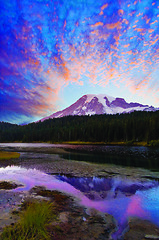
(28, 145)
(135, 156)
(129, 157)
(120, 197)
(100, 188)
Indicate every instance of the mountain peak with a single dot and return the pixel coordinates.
(91, 104)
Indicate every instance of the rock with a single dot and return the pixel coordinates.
(8, 185)
(76, 223)
(63, 217)
(141, 229)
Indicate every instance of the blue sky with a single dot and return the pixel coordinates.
(54, 51)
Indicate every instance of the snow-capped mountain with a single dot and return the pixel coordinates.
(91, 104)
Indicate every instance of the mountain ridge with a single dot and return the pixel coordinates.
(91, 104)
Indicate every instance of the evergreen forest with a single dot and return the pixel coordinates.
(130, 127)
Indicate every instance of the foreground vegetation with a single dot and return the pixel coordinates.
(126, 128)
(32, 223)
(58, 218)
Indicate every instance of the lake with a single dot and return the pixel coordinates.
(119, 180)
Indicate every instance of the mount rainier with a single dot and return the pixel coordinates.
(91, 104)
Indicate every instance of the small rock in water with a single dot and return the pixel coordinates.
(84, 219)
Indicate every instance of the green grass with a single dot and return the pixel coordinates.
(32, 223)
(80, 143)
(154, 143)
(8, 155)
(121, 143)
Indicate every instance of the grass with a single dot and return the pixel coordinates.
(32, 224)
(154, 143)
(121, 143)
(81, 143)
(8, 155)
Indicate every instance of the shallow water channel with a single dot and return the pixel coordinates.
(122, 190)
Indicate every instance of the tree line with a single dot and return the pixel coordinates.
(135, 126)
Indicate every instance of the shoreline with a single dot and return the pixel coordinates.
(153, 143)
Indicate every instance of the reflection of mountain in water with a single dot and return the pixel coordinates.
(105, 188)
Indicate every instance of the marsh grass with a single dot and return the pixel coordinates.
(32, 223)
(8, 155)
(154, 143)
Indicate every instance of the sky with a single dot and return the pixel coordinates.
(54, 51)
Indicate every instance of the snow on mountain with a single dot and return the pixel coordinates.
(91, 104)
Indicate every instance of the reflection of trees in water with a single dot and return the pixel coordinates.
(147, 159)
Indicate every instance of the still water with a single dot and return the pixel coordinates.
(119, 196)
(131, 156)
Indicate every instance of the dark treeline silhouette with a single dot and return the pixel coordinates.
(135, 126)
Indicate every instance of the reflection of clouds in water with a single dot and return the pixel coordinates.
(151, 195)
(119, 199)
(32, 177)
(28, 145)
(113, 186)
(151, 203)
(122, 197)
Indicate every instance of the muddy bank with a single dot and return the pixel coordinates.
(54, 164)
(9, 201)
(130, 152)
(74, 221)
(50, 150)
(64, 159)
